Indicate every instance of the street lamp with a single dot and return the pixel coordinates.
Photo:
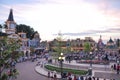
(90, 68)
(117, 61)
(61, 59)
(118, 67)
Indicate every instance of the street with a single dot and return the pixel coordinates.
(27, 72)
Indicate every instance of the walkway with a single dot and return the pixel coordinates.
(101, 71)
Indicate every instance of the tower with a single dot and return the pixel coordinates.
(11, 25)
(100, 43)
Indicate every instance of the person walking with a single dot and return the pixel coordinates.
(82, 78)
(93, 78)
(89, 78)
(55, 77)
(48, 74)
(118, 69)
(79, 78)
(97, 78)
(75, 78)
(114, 66)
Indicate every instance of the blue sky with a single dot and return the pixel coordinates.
(73, 18)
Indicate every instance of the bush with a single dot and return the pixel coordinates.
(4, 77)
(73, 71)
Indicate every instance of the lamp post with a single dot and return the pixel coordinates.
(117, 61)
(118, 67)
(90, 68)
(61, 58)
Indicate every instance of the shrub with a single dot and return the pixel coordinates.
(73, 71)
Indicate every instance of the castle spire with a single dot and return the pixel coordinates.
(100, 37)
(10, 17)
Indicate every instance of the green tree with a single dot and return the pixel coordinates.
(87, 47)
(58, 46)
(25, 28)
(0, 26)
(8, 48)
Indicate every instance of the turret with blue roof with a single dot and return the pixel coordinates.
(110, 44)
(10, 17)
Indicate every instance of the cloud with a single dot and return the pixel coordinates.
(72, 17)
(93, 32)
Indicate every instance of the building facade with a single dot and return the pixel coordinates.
(75, 45)
(25, 42)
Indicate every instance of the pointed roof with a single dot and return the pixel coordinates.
(110, 41)
(10, 17)
(100, 42)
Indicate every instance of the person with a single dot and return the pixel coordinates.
(114, 66)
(81, 78)
(10, 73)
(55, 76)
(48, 74)
(86, 78)
(69, 78)
(118, 69)
(15, 73)
(93, 78)
(51, 74)
(75, 77)
(97, 78)
(89, 78)
(69, 74)
(42, 64)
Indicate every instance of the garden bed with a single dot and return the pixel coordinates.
(93, 61)
(73, 71)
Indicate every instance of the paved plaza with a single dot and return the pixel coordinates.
(29, 71)
(101, 71)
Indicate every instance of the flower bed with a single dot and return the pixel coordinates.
(93, 61)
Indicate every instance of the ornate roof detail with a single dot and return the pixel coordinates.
(100, 43)
(110, 41)
(10, 17)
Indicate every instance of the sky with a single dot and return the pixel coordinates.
(72, 18)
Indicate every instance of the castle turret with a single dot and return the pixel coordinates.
(10, 23)
(100, 43)
(110, 44)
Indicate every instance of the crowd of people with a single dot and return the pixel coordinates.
(52, 76)
(99, 55)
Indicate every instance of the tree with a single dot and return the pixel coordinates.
(0, 26)
(58, 46)
(8, 48)
(87, 47)
(25, 28)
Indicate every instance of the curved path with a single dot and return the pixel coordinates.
(101, 71)
(27, 71)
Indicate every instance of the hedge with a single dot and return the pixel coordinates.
(73, 71)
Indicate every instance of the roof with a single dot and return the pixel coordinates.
(110, 41)
(3, 34)
(10, 17)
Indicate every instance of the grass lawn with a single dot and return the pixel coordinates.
(73, 71)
